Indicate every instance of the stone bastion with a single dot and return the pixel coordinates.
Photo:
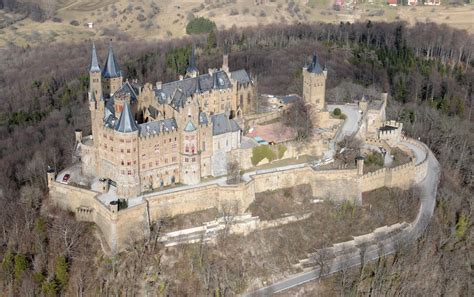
(122, 228)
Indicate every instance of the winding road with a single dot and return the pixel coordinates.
(428, 189)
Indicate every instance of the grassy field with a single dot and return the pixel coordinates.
(158, 19)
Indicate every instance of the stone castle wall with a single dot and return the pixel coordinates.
(128, 225)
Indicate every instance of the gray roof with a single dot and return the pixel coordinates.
(190, 127)
(128, 88)
(94, 61)
(192, 64)
(203, 118)
(157, 127)
(126, 123)
(315, 67)
(222, 124)
(175, 93)
(111, 68)
(153, 111)
(241, 76)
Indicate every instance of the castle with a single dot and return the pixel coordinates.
(151, 136)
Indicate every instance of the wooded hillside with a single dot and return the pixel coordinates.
(426, 69)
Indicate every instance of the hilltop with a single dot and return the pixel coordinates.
(68, 20)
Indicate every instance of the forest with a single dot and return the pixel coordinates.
(427, 70)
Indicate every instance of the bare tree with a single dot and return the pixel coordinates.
(233, 172)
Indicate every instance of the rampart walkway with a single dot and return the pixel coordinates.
(352, 257)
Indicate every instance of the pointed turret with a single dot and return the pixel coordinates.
(315, 67)
(126, 123)
(111, 68)
(94, 61)
(192, 70)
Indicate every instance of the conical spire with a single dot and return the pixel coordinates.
(192, 64)
(126, 123)
(94, 61)
(315, 67)
(111, 68)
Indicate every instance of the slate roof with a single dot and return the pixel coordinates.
(203, 118)
(94, 61)
(222, 124)
(315, 67)
(176, 92)
(241, 76)
(190, 127)
(126, 123)
(192, 64)
(128, 88)
(157, 127)
(111, 68)
(153, 111)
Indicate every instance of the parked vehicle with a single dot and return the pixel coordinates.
(66, 177)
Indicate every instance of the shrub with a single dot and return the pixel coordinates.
(7, 262)
(49, 288)
(61, 272)
(281, 151)
(57, 20)
(74, 23)
(461, 226)
(374, 159)
(20, 266)
(337, 112)
(141, 18)
(123, 204)
(261, 152)
(200, 25)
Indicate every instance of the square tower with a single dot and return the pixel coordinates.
(314, 85)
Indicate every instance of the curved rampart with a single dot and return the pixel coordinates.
(133, 223)
(372, 246)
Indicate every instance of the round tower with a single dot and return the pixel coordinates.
(78, 134)
(51, 176)
(190, 155)
(127, 176)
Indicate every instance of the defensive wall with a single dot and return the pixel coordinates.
(125, 226)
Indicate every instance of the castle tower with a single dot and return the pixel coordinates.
(95, 79)
(128, 182)
(111, 74)
(192, 70)
(96, 98)
(225, 63)
(120, 99)
(190, 155)
(314, 87)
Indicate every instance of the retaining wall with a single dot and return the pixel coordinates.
(128, 225)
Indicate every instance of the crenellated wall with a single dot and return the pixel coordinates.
(128, 225)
